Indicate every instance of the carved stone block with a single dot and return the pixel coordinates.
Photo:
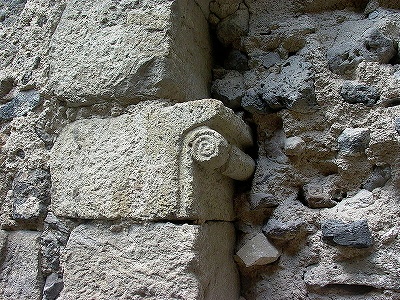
(160, 162)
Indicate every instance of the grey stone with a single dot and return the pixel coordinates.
(252, 102)
(397, 124)
(233, 27)
(262, 201)
(52, 287)
(276, 229)
(20, 276)
(322, 193)
(371, 46)
(31, 194)
(353, 92)
(378, 178)
(229, 89)
(236, 60)
(291, 88)
(151, 261)
(52, 240)
(353, 141)
(377, 46)
(10, 10)
(3, 243)
(20, 105)
(6, 85)
(224, 8)
(355, 234)
(266, 59)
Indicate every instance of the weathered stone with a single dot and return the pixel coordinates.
(53, 238)
(353, 141)
(229, 89)
(262, 201)
(224, 8)
(276, 229)
(20, 271)
(378, 178)
(322, 192)
(3, 243)
(397, 124)
(129, 51)
(355, 234)
(371, 46)
(234, 26)
(20, 105)
(359, 93)
(291, 88)
(258, 251)
(294, 145)
(116, 167)
(31, 194)
(236, 60)
(6, 85)
(151, 261)
(266, 59)
(52, 287)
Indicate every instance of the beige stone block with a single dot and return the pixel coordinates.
(129, 51)
(160, 162)
(151, 261)
(20, 270)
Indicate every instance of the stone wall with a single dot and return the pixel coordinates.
(118, 182)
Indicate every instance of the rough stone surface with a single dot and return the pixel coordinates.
(262, 200)
(52, 287)
(292, 88)
(229, 89)
(31, 194)
(378, 178)
(276, 229)
(20, 105)
(322, 192)
(146, 50)
(359, 93)
(113, 168)
(233, 27)
(153, 261)
(258, 251)
(356, 234)
(20, 276)
(294, 145)
(354, 141)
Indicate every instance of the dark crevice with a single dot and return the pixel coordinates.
(345, 289)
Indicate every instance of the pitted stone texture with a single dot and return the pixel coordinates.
(141, 165)
(354, 141)
(151, 261)
(20, 105)
(353, 92)
(130, 51)
(20, 271)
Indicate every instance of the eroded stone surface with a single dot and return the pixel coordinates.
(151, 261)
(141, 165)
(20, 276)
(130, 51)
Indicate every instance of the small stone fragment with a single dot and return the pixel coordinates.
(378, 178)
(253, 103)
(229, 89)
(294, 146)
(52, 287)
(24, 102)
(355, 234)
(266, 59)
(262, 200)
(258, 251)
(353, 141)
(276, 229)
(344, 58)
(353, 93)
(31, 193)
(224, 8)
